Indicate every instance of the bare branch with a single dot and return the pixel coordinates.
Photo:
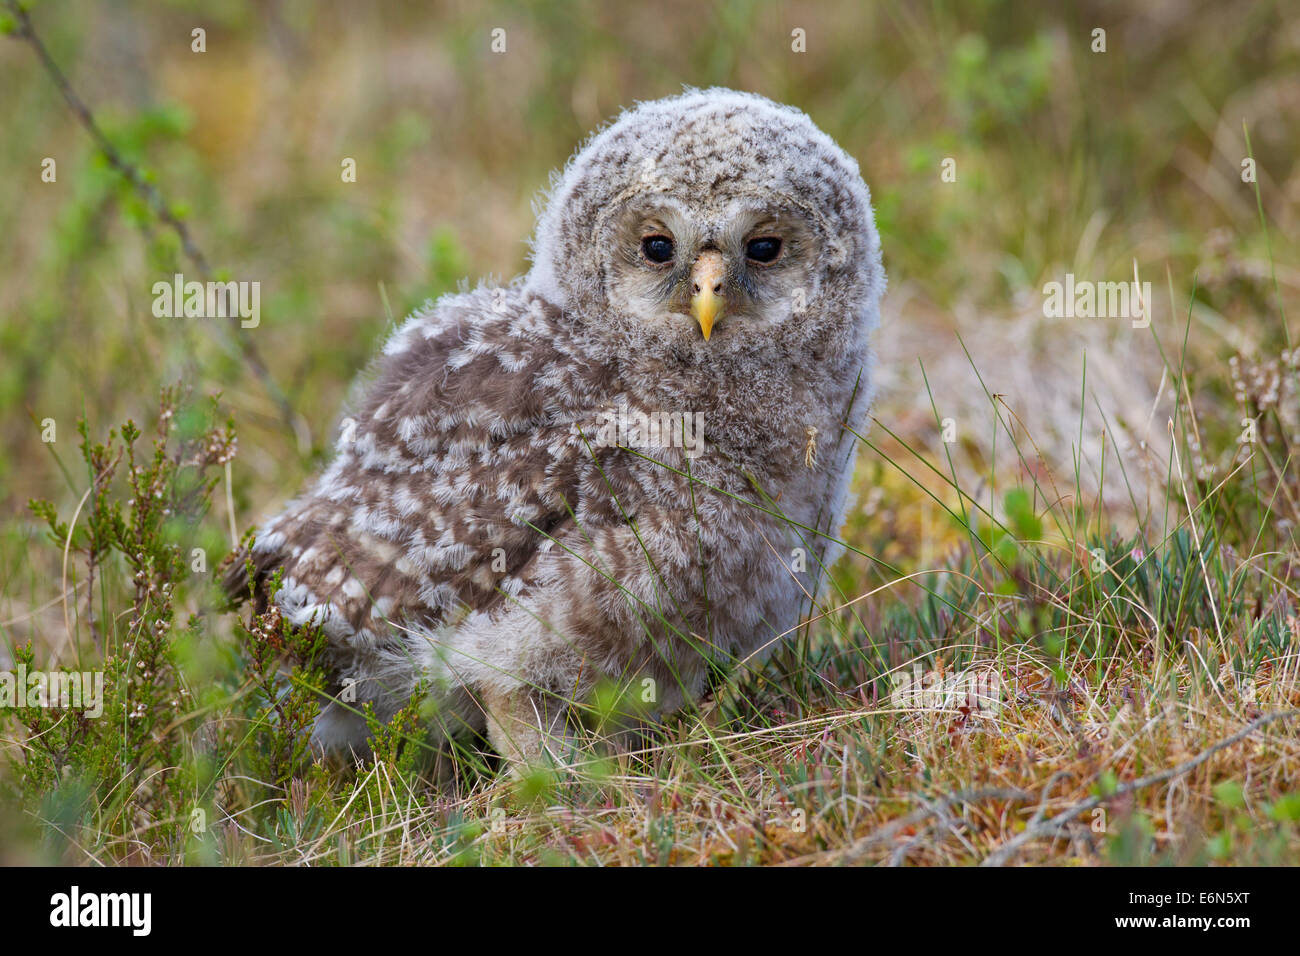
(158, 205)
(1058, 822)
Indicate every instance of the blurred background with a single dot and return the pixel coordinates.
(1067, 160)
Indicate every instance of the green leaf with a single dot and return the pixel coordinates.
(1019, 507)
(1106, 784)
(1286, 809)
(1230, 794)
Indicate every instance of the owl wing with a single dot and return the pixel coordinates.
(461, 459)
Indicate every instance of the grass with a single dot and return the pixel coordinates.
(1090, 524)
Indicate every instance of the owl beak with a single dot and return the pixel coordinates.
(708, 297)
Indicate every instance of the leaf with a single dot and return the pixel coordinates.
(1285, 809)
(1106, 784)
(1230, 794)
(1026, 525)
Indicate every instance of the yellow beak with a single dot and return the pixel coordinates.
(707, 295)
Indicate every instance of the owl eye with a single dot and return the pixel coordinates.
(658, 249)
(763, 249)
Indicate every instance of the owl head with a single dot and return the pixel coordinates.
(707, 225)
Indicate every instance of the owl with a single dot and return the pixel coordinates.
(623, 469)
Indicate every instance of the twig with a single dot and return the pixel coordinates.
(24, 30)
(859, 847)
(1057, 823)
(67, 545)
